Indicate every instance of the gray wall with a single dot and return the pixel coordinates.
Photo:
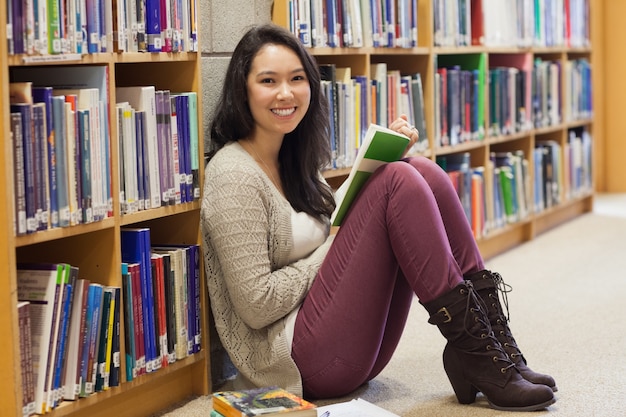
(221, 25)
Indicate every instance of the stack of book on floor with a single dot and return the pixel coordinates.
(274, 401)
(266, 401)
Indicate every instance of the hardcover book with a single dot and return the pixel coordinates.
(380, 146)
(266, 401)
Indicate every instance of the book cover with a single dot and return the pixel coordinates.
(139, 330)
(44, 95)
(26, 357)
(41, 162)
(158, 282)
(265, 401)
(129, 324)
(71, 377)
(19, 191)
(380, 146)
(116, 363)
(28, 144)
(101, 355)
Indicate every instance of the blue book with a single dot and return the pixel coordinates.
(39, 138)
(44, 95)
(183, 147)
(153, 25)
(93, 26)
(85, 386)
(332, 23)
(194, 300)
(186, 154)
(61, 342)
(194, 138)
(136, 249)
(60, 138)
(94, 337)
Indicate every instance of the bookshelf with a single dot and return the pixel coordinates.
(431, 53)
(96, 247)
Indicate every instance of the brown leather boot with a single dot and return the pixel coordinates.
(475, 360)
(490, 286)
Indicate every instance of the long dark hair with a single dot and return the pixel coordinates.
(306, 150)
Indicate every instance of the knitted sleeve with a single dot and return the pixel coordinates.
(250, 228)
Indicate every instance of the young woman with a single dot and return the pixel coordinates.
(320, 313)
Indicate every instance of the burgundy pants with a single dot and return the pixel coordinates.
(406, 234)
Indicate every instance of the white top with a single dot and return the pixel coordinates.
(308, 234)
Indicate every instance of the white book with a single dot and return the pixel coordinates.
(71, 377)
(354, 408)
(144, 99)
(37, 283)
(70, 153)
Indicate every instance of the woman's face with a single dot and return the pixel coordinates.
(278, 90)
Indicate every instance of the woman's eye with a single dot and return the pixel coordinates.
(267, 80)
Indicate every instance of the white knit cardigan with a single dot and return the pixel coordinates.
(247, 238)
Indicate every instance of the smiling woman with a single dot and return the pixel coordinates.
(320, 314)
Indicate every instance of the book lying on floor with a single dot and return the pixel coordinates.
(354, 408)
(266, 402)
(380, 146)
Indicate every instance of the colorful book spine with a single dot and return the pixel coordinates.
(153, 25)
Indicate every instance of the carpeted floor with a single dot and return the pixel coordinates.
(566, 312)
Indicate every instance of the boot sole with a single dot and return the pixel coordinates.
(536, 407)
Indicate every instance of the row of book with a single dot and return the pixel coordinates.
(511, 23)
(354, 23)
(504, 192)
(157, 137)
(356, 101)
(61, 150)
(524, 93)
(161, 288)
(70, 326)
(52, 27)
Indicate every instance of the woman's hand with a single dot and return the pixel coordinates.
(401, 125)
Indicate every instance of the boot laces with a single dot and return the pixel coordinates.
(502, 290)
(475, 304)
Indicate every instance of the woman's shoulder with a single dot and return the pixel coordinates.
(229, 152)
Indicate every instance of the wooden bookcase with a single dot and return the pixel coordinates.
(95, 247)
(424, 58)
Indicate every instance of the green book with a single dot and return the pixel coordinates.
(380, 146)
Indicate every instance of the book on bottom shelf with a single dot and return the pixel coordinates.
(265, 401)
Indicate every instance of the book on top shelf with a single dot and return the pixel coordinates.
(380, 146)
(265, 401)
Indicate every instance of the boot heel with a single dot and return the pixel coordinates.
(464, 390)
